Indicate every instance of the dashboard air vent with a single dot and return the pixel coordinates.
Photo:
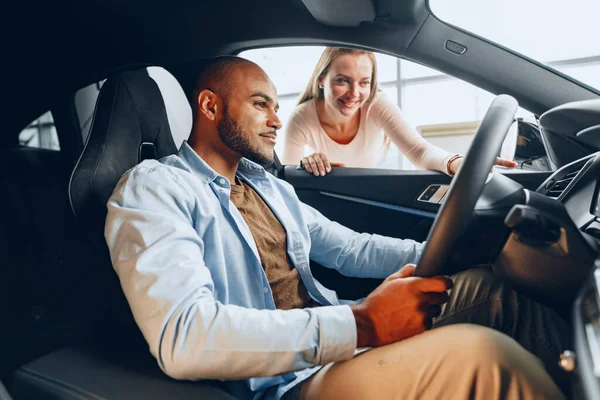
(559, 186)
(560, 183)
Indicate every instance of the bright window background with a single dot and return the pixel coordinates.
(41, 133)
(427, 97)
(562, 34)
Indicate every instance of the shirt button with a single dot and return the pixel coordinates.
(266, 289)
(222, 181)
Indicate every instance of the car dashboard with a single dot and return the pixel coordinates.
(577, 186)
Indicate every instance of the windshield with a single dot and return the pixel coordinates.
(563, 35)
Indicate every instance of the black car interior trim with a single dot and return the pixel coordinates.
(406, 210)
(536, 92)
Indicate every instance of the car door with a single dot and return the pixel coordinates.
(387, 202)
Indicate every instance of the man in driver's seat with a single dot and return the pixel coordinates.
(213, 256)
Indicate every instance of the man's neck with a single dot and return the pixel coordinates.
(220, 158)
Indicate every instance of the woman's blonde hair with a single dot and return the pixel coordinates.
(313, 91)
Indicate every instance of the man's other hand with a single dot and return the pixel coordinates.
(401, 307)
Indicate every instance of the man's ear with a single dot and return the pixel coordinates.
(208, 104)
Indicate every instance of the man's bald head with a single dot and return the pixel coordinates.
(235, 112)
(219, 77)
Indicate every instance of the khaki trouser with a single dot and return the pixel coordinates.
(458, 360)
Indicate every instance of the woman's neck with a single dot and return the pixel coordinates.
(339, 128)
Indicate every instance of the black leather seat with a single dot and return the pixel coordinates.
(75, 373)
(130, 124)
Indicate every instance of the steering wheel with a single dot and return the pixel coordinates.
(466, 186)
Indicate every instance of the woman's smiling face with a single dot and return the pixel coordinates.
(347, 84)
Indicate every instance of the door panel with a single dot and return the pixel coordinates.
(371, 200)
(370, 216)
(380, 201)
(375, 201)
(367, 200)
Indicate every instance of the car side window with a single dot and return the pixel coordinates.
(446, 111)
(40, 133)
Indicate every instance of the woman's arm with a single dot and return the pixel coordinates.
(420, 152)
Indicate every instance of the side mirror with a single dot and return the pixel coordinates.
(530, 152)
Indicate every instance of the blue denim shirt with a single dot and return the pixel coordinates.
(192, 275)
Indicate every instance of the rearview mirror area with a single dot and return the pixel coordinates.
(530, 153)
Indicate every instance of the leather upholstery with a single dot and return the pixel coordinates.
(74, 373)
(130, 124)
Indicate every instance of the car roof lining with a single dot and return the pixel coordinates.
(129, 34)
(352, 13)
(347, 13)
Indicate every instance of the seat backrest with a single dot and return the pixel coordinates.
(130, 124)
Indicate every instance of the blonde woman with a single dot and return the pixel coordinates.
(346, 119)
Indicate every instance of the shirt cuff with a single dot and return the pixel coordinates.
(337, 334)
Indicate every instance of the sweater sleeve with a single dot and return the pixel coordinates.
(395, 126)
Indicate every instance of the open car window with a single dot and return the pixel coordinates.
(446, 111)
(40, 133)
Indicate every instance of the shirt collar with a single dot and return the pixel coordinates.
(250, 167)
(206, 173)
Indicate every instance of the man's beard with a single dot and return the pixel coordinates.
(237, 140)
